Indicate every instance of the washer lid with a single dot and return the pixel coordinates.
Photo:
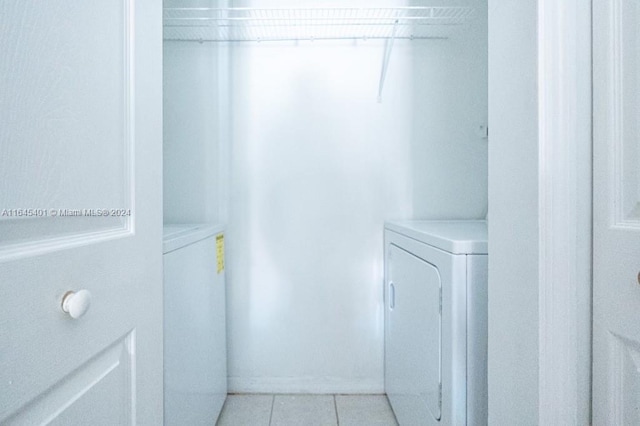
(454, 236)
(176, 236)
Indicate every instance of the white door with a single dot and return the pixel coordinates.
(616, 293)
(80, 128)
(413, 349)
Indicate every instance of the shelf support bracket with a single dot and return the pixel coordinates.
(388, 47)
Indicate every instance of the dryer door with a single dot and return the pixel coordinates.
(413, 357)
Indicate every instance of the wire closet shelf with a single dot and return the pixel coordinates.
(251, 24)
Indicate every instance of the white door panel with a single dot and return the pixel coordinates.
(616, 294)
(67, 102)
(413, 354)
(87, 395)
(80, 132)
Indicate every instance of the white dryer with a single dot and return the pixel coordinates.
(436, 322)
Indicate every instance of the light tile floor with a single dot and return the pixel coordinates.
(307, 410)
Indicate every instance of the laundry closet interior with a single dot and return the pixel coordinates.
(293, 130)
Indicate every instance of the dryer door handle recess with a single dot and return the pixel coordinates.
(392, 295)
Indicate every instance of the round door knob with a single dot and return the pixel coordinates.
(76, 303)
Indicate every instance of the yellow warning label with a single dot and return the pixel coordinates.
(220, 252)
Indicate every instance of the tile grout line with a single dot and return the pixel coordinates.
(335, 408)
(273, 401)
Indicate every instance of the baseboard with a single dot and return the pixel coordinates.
(314, 385)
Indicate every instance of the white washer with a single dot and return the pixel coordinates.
(436, 322)
(195, 348)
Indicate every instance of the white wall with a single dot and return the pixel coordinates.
(190, 148)
(513, 213)
(317, 166)
(449, 105)
(540, 212)
(191, 132)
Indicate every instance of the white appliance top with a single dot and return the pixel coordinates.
(176, 235)
(454, 236)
